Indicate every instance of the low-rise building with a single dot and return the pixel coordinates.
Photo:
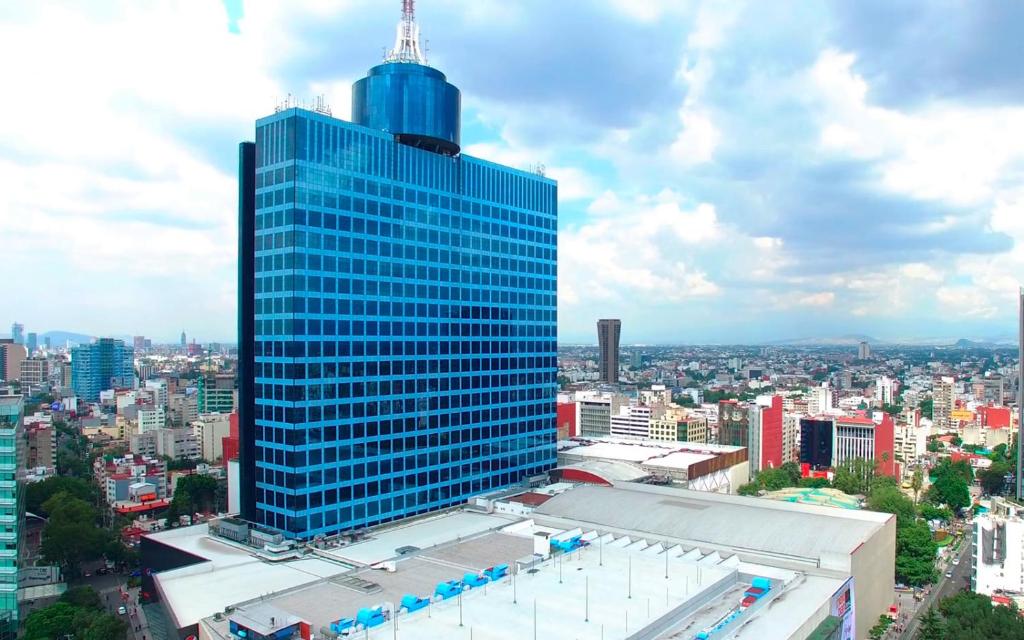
(997, 554)
(177, 444)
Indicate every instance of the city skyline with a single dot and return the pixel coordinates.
(785, 175)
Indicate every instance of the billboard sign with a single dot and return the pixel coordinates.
(842, 607)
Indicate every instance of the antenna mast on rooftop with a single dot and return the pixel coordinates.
(407, 37)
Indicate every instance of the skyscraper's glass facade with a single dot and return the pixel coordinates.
(104, 364)
(404, 347)
(11, 512)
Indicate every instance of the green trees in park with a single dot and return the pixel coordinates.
(78, 614)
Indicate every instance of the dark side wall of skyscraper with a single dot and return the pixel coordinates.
(608, 344)
(402, 345)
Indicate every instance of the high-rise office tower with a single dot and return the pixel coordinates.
(608, 344)
(104, 364)
(11, 511)
(397, 309)
(18, 333)
(184, 339)
(32, 342)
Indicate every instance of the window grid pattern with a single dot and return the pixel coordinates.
(405, 326)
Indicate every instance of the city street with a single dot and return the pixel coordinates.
(135, 617)
(945, 588)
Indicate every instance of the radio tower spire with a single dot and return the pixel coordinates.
(407, 37)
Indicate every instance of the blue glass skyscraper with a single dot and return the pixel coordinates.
(397, 312)
(104, 364)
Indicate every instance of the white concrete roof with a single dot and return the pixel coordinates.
(678, 460)
(230, 574)
(752, 525)
(421, 533)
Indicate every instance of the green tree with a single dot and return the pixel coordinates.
(749, 489)
(71, 536)
(931, 626)
(85, 597)
(915, 554)
(951, 490)
(105, 627)
(931, 512)
(38, 493)
(792, 469)
(774, 479)
(916, 482)
(877, 631)
(194, 493)
(854, 476)
(891, 500)
(55, 621)
(993, 479)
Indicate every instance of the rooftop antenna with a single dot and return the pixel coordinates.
(407, 37)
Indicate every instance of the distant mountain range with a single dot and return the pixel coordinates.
(61, 338)
(853, 340)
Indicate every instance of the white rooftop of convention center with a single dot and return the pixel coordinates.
(781, 529)
(611, 588)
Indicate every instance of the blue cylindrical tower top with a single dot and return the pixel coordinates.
(413, 102)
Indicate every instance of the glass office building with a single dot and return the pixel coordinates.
(397, 313)
(11, 511)
(104, 364)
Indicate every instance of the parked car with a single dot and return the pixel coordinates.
(122, 610)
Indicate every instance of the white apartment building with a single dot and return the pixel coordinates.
(910, 442)
(791, 437)
(632, 422)
(997, 553)
(819, 400)
(886, 390)
(210, 429)
(596, 411)
(159, 389)
(943, 399)
(151, 418)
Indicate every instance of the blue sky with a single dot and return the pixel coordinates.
(729, 171)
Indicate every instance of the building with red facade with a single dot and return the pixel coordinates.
(568, 426)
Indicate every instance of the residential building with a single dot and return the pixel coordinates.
(821, 400)
(632, 421)
(183, 408)
(419, 286)
(210, 430)
(104, 364)
(117, 476)
(596, 410)
(943, 403)
(791, 437)
(886, 390)
(177, 444)
(41, 445)
(910, 441)
(997, 552)
(12, 410)
(217, 393)
(151, 417)
(160, 391)
(608, 332)
(733, 424)
(12, 355)
(765, 439)
(34, 372)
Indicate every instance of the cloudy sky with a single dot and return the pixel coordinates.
(729, 171)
